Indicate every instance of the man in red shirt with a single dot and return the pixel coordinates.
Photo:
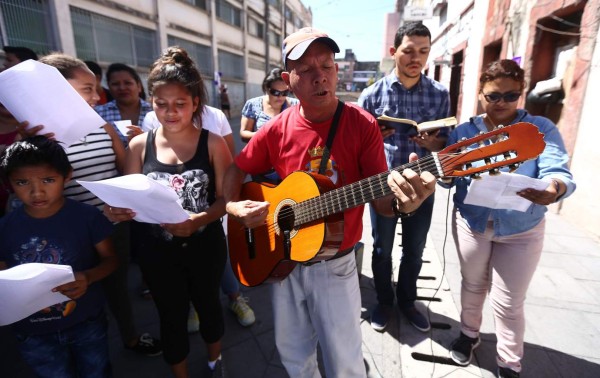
(320, 302)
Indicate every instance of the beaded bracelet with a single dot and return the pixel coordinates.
(399, 213)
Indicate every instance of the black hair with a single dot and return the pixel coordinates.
(410, 29)
(504, 68)
(117, 67)
(35, 151)
(175, 66)
(273, 76)
(22, 53)
(65, 64)
(94, 67)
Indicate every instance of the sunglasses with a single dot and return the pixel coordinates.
(495, 97)
(277, 93)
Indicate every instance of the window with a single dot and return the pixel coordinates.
(275, 3)
(228, 13)
(255, 28)
(105, 39)
(289, 14)
(231, 65)
(28, 24)
(443, 14)
(274, 38)
(299, 24)
(200, 54)
(198, 3)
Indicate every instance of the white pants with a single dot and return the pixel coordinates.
(504, 267)
(320, 303)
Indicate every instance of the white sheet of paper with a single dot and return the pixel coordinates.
(151, 201)
(122, 126)
(27, 288)
(500, 191)
(38, 93)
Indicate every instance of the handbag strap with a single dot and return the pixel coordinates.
(332, 129)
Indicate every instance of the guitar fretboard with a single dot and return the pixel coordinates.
(357, 193)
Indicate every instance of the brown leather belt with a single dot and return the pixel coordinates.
(338, 255)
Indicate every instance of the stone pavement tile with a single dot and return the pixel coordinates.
(247, 358)
(266, 343)
(543, 362)
(556, 285)
(579, 245)
(565, 365)
(562, 330)
(577, 267)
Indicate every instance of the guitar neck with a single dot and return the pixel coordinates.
(357, 193)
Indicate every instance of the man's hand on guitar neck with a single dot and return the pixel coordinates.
(409, 188)
(250, 213)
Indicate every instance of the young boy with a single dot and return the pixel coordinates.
(68, 339)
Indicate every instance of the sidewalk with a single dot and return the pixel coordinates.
(563, 318)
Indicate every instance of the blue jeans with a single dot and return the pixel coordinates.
(80, 351)
(414, 236)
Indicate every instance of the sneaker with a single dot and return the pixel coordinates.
(380, 317)
(147, 345)
(462, 348)
(193, 323)
(418, 320)
(244, 313)
(504, 372)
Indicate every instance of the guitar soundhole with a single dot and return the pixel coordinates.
(286, 218)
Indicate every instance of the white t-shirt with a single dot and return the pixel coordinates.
(213, 120)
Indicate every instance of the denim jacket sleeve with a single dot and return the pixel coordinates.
(551, 163)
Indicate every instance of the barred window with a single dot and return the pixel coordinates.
(274, 38)
(198, 3)
(289, 14)
(231, 65)
(275, 3)
(200, 54)
(255, 28)
(228, 13)
(105, 39)
(27, 23)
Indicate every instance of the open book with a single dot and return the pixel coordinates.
(422, 127)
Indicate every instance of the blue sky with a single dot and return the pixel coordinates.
(353, 24)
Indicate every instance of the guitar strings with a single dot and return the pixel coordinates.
(332, 197)
(308, 209)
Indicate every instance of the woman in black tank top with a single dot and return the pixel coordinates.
(183, 262)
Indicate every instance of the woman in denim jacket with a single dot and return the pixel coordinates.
(499, 249)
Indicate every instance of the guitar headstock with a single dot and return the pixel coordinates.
(511, 145)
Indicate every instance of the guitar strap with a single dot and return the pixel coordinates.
(332, 129)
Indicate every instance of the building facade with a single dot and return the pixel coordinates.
(233, 42)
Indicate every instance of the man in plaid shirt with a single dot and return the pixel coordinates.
(405, 93)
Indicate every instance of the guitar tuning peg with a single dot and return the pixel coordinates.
(494, 172)
(513, 167)
(463, 139)
(500, 126)
(476, 176)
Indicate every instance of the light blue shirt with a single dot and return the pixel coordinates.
(551, 163)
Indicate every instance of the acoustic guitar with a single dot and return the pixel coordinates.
(305, 219)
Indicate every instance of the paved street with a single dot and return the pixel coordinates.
(563, 318)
